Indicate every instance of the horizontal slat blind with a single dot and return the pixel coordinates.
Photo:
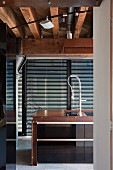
(84, 70)
(20, 103)
(46, 86)
(10, 64)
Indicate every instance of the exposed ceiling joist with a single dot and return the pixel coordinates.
(53, 3)
(80, 21)
(30, 15)
(54, 11)
(8, 17)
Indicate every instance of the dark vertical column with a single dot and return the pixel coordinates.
(11, 138)
(24, 98)
(11, 114)
(68, 88)
(18, 46)
(2, 96)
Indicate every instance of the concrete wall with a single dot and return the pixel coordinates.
(102, 86)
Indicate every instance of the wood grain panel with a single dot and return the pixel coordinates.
(54, 3)
(34, 145)
(30, 15)
(54, 11)
(57, 46)
(8, 17)
(80, 22)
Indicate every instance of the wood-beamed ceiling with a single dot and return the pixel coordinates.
(21, 17)
(24, 22)
(80, 22)
(53, 12)
(30, 15)
(7, 16)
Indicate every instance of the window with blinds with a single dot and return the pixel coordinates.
(10, 82)
(10, 92)
(46, 86)
(84, 70)
(20, 103)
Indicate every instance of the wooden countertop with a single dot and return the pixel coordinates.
(59, 116)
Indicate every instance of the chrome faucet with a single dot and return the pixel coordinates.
(72, 91)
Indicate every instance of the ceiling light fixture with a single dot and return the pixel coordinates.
(3, 2)
(49, 2)
(46, 24)
(69, 35)
(64, 15)
(76, 14)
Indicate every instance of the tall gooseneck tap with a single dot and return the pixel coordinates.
(72, 91)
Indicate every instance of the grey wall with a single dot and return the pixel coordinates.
(102, 86)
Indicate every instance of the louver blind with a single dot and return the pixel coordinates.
(84, 70)
(46, 86)
(10, 83)
(20, 103)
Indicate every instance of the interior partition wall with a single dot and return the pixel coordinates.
(102, 87)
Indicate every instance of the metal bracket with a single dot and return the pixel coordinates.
(111, 21)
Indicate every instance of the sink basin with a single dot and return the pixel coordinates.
(71, 114)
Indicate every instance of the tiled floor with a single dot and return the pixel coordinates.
(52, 167)
(24, 155)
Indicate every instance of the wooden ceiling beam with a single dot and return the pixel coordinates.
(54, 11)
(54, 3)
(57, 46)
(80, 22)
(30, 15)
(77, 43)
(7, 16)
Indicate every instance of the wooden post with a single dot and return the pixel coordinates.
(34, 144)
